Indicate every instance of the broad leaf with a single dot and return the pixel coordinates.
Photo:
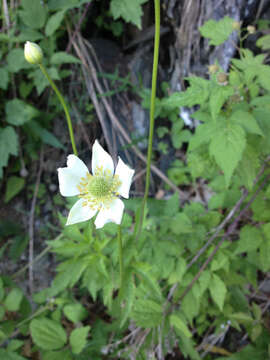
(227, 147)
(48, 334)
(247, 121)
(179, 325)
(78, 338)
(18, 112)
(62, 57)
(54, 22)
(8, 146)
(218, 291)
(14, 185)
(33, 14)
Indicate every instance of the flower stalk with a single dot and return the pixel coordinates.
(63, 103)
(152, 113)
(120, 252)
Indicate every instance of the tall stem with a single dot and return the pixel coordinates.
(120, 251)
(152, 113)
(63, 103)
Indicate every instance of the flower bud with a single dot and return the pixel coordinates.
(213, 68)
(251, 29)
(222, 78)
(236, 25)
(32, 53)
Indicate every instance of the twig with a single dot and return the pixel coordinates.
(122, 131)
(219, 228)
(230, 230)
(31, 224)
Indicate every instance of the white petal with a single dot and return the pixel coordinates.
(79, 213)
(125, 174)
(113, 214)
(101, 158)
(70, 176)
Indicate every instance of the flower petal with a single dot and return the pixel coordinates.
(70, 176)
(79, 213)
(101, 158)
(113, 214)
(125, 174)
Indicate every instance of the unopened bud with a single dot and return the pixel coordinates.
(251, 29)
(32, 53)
(213, 68)
(222, 78)
(236, 25)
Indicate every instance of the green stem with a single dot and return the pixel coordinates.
(63, 103)
(152, 113)
(120, 250)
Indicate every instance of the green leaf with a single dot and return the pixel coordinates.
(40, 81)
(29, 35)
(4, 78)
(247, 121)
(78, 339)
(46, 136)
(13, 299)
(147, 313)
(15, 345)
(18, 112)
(75, 312)
(9, 355)
(178, 273)
(179, 325)
(54, 22)
(190, 306)
(14, 185)
(8, 146)
(250, 240)
(264, 255)
(130, 11)
(264, 42)
(217, 31)
(218, 291)
(247, 169)
(48, 334)
(227, 147)
(33, 13)
(58, 355)
(16, 61)
(242, 318)
(181, 224)
(65, 4)
(219, 95)
(62, 57)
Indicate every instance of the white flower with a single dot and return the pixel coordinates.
(98, 192)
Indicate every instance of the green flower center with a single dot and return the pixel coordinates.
(99, 190)
(99, 187)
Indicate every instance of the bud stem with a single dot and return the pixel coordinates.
(63, 103)
(120, 251)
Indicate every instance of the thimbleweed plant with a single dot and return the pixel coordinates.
(182, 270)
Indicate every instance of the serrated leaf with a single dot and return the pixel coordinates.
(247, 168)
(147, 313)
(148, 279)
(75, 312)
(4, 78)
(219, 95)
(179, 325)
(247, 121)
(18, 112)
(54, 22)
(218, 291)
(14, 185)
(190, 306)
(217, 31)
(227, 147)
(242, 317)
(13, 299)
(57, 355)
(250, 240)
(62, 57)
(33, 14)
(78, 338)
(204, 281)
(65, 4)
(48, 334)
(181, 224)
(8, 146)
(130, 11)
